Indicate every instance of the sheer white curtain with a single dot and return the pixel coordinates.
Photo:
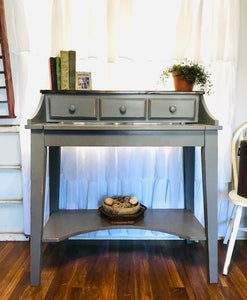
(125, 44)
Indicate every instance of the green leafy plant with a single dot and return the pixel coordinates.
(194, 72)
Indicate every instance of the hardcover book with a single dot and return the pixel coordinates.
(53, 73)
(72, 69)
(68, 68)
(58, 69)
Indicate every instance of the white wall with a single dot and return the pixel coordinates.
(241, 84)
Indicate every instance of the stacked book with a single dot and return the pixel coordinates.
(63, 71)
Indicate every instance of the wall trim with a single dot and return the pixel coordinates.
(14, 237)
(9, 128)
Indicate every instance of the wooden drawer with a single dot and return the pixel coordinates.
(122, 108)
(174, 109)
(70, 108)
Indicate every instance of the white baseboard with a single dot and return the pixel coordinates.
(13, 237)
(10, 128)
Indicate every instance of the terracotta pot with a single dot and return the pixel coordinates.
(181, 84)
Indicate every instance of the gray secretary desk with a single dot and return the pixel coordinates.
(122, 118)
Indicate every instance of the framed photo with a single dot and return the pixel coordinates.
(83, 81)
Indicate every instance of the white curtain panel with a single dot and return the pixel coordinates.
(125, 44)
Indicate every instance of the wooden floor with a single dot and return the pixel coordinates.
(119, 270)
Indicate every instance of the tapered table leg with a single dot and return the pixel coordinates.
(210, 193)
(54, 175)
(38, 172)
(189, 177)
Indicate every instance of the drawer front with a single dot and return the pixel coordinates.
(122, 108)
(71, 108)
(173, 109)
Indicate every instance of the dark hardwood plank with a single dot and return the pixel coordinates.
(179, 293)
(142, 282)
(119, 270)
(12, 269)
(161, 277)
(5, 248)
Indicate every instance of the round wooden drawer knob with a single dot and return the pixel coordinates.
(123, 109)
(72, 108)
(172, 109)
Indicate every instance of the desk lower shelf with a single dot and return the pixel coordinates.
(67, 223)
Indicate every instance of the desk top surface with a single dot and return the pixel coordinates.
(118, 92)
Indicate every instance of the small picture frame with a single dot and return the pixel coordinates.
(83, 81)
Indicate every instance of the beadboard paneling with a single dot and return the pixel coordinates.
(3, 95)
(10, 153)
(11, 184)
(4, 109)
(11, 218)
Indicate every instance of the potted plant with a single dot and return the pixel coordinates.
(187, 74)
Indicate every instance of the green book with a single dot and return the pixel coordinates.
(58, 69)
(68, 69)
(64, 70)
(72, 69)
